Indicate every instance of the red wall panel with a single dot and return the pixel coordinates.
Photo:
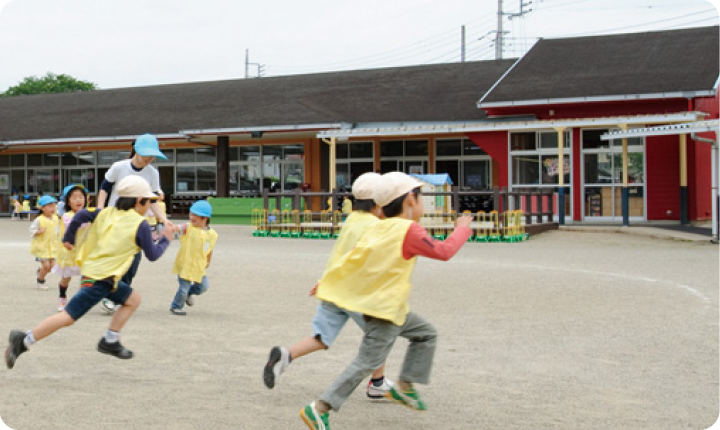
(495, 143)
(662, 184)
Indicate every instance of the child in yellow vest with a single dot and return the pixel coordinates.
(196, 248)
(115, 236)
(26, 204)
(152, 219)
(17, 208)
(374, 279)
(329, 319)
(44, 245)
(75, 199)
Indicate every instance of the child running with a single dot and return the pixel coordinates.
(74, 199)
(44, 245)
(374, 279)
(197, 242)
(329, 319)
(115, 236)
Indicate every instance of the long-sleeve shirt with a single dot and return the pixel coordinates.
(143, 237)
(418, 242)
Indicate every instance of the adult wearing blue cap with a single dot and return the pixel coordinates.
(144, 151)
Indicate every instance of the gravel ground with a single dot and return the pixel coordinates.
(567, 330)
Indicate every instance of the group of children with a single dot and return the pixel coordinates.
(100, 246)
(366, 278)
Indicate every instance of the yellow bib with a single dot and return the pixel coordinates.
(45, 245)
(66, 257)
(373, 278)
(195, 246)
(355, 226)
(110, 246)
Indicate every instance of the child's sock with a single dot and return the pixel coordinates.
(29, 339)
(112, 336)
(41, 281)
(63, 291)
(378, 382)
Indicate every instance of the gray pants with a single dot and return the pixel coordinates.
(377, 342)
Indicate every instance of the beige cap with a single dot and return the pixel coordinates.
(393, 185)
(135, 186)
(365, 185)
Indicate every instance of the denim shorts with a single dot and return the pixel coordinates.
(329, 321)
(90, 296)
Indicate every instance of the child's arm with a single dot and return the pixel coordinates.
(35, 228)
(80, 218)
(418, 242)
(144, 240)
(209, 257)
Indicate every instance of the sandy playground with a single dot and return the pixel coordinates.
(569, 330)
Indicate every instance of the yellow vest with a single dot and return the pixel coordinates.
(373, 278)
(355, 226)
(26, 205)
(45, 245)
(66, 257)
(195, 246)
(110, 246)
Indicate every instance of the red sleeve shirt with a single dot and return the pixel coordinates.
(418, 242)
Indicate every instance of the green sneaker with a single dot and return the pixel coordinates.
(314, 419)
(409, 398)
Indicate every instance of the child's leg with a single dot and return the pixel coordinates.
(199, 288)
(52, 324)
(125, 312)
(182, 293)
(45, 267)
(419, 356)
(306, 346)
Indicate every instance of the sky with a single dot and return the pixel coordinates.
(129, 43)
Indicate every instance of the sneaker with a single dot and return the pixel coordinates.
(115, 349)
(108, 306)
(190, 300)
(408, 398)
(16, 347)
(277, 362)
(62, 301)
(314, 419)
(41, 285)
(379, 392)
(177, 311)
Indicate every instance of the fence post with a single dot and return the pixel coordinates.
(296, 199)
(266, 199)
(456, 199)
(496, 199)
(505, 193)
(528, 207)
(550, 215)
(539, 206)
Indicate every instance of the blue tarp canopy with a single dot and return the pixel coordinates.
(435, 179)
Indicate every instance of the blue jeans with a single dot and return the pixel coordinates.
(89, 296)
(188, 288)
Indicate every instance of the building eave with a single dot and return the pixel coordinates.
(599, 99)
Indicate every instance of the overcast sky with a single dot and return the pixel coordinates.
(124, 43)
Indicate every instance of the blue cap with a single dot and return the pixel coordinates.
(70, 187)
(26, 196)
(147, 146)
(201, 208)
(46, 200)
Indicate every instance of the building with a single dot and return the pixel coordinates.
(492, 123)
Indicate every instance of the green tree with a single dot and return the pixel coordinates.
(50, 83)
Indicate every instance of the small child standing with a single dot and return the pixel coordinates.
(17, 208)
(374, 279)
(44, 245)
(197, 242)
(74, 199)
(116, 235)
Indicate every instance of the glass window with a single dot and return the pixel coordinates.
(293, 175)
(17, 160)
(185, 178)
(591, 139)
(476, 174)
(416, 148)
(391, 148)
(109, 157)
(598, 169)
(17, 180)
(34, 160)
(4, 161)
(169, 153)
(471, 148)
(341, 150)
(635, 167)
(357, 169)
(551, 169)
(43, 181)
(86, 177)
(52, 159)
(526, 170)
(522, 141)
(342, 175)
(206, 178)
(206, 154)
(293, 152)
(361, 150)
(448, 147)
(246, 178)
(185, 155)
(249, 153)
(272, 152)
(451, 167)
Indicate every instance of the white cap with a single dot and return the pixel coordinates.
(393, 185)
(135, 186)
(365, 185)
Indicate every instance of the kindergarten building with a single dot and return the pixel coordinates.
(501, 123)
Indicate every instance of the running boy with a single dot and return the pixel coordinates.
(374, 279)
(116, 235)
(329, 318)
(196, 248)
(44, 245)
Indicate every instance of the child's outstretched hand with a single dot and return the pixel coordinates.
(465, 220)
(69, 246)
(313, 290)
(169, 231)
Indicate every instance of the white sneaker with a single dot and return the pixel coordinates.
(379, 392)
(190, 300)
(108, 306)
(42, 286)
(62, 302)
(278, 361)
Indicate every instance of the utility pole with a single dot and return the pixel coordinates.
(462, 45)
(260, 67)
(499, 34)
(247, 58)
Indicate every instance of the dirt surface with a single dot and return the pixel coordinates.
(568, 330)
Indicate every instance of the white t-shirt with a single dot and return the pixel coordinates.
(122, 169)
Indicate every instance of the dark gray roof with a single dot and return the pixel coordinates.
(624, 64)
(445, 92)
